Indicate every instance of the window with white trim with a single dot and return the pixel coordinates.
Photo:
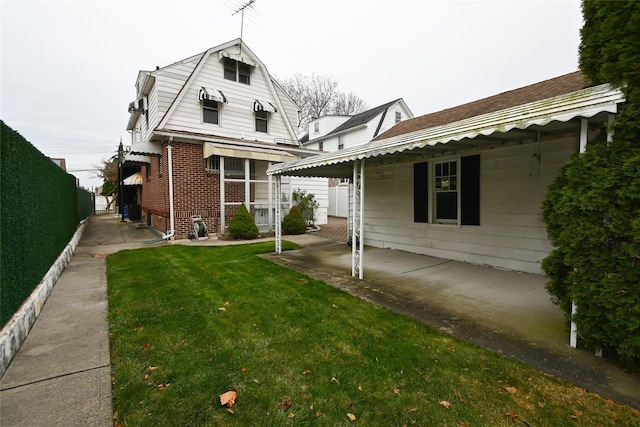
(262, 119)
(210, 112)
(237, 71)
(340, 142)
(398, 117)
(316, 127)
(232, 165)
(321, 145)
(445, 191)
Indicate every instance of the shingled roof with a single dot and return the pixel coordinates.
(362, 118)
(546, 89)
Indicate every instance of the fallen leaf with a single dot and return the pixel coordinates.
(163, 386)
(140, 328)
(226, 303)
(511, 390)
(115, 415)
(153, 368)
(445, 404)
(576, 414)
(452, 348)
(244, 369)
(335, 380)
(464, 424)
(412, 409)
(228, 398)
(292, 415)
(146, 346)
(359, 387)
(334, 306)
(351, 417)
(306, 372)
(285, 405)
(222, 309)
(231, 411)
(541, 404)
(318, 413)
(512, 415)
(396, 391)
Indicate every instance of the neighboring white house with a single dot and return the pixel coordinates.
(333, 133)
(467, 183)
(204, 130)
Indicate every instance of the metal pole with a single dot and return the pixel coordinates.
(120, 186)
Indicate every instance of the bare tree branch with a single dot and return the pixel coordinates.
(318, 95)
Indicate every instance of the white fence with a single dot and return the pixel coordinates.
(101, 204)
(339, 201)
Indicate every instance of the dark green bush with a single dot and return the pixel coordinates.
(242, 225)
(293, 222)
(592, 213)
(307, 204)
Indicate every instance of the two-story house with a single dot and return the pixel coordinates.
(333, 133)
(204, 130)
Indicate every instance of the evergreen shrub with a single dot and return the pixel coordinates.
(242, 225)
(592, 213)
(293, 222)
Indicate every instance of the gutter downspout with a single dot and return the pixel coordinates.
(172, 231)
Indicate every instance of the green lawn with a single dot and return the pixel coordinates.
(190, 323)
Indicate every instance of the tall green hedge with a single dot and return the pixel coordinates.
(592, 211)
(39, 213)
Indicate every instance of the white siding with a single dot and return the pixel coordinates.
(237, 118)
(511, 234)
(316, 186)
(325, 125)
(290, 108)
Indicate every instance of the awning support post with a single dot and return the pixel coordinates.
(278, 220)
(222, 201)
(357, 232)
(270, 198)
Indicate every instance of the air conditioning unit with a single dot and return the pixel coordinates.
(139, 105)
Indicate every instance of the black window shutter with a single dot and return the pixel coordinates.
(470, 191)
(421, 192)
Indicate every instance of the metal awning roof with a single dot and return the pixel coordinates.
(135, 179)
(145, 148)
(260, 105)
(226, 150)
(586, 103)
(211, 94)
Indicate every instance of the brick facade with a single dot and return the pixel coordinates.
(196, 191)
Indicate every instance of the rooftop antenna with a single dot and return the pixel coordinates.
(241, 9)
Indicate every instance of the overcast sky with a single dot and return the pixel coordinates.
(68, 68)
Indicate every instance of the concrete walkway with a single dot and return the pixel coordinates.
(504, 311)
(61, 374)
